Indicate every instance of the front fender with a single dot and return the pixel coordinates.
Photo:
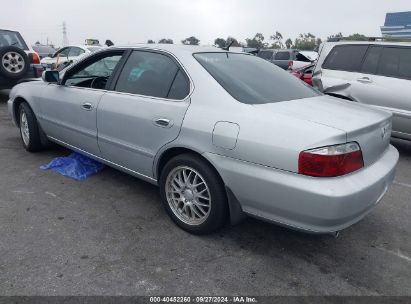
(28, 92)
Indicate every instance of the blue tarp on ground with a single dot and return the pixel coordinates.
(76, 166)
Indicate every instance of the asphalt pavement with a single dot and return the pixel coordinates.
(109, 235)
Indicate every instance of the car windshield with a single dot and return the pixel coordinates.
(252, 80)
(9, 38)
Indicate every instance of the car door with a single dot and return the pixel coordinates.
(144, 111)
(385, 82)
(68, 110)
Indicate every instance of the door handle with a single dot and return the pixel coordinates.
(364, 80)
(87, 106)
(163, 122)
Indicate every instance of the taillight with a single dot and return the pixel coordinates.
(331, 161)
(35, 58)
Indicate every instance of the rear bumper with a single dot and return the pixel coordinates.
(34, 71)
(316, 205)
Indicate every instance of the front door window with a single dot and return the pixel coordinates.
(95, 74)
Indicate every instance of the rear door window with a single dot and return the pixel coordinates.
(346, 58)
(152, 74)
(395, 62)
(370, 65)
(180, 87)
(282, 56)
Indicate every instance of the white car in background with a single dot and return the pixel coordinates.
(373, 73)
(68, 55)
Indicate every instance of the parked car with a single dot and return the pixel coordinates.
(43, 50)
(219, 144)
(304, 73)
(286, 59)
(68, 55)
(373, 73)
(17, 60)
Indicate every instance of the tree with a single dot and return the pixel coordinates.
(305, 42)
(166, 41)
(339, 35)
(150, 41)
(220, 42)
(256, 42)
(289, 43)
(357, 37)
(278, 41)
(235, 41)
(191, 41)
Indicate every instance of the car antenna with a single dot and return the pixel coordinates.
(228, 45)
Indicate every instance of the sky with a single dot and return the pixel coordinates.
(136, 21)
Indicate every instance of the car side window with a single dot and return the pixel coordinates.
(76, 51)
(266, 55)
(62, 53)
(150, 74)
(282, 56)
(180, 87)
(309, 70)
(395, 62)
(370, 64)
(346, 58)
(100, 69)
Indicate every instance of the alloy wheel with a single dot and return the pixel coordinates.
(13, 62)
(24, 128)
(188, 195)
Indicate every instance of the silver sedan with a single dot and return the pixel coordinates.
(222, 134)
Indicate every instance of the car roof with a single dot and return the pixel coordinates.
(1, 29)
(82, 46)
(176, 49)
(342, 42)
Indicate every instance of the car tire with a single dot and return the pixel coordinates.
(193, 194)
(29, 129)
(14, 62)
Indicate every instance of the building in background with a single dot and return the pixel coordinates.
(397, 25)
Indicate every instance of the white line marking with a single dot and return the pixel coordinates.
(51, 194)
(398, 254)
(402, 184)
(23, 192)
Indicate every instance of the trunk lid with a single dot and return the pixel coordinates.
(370, 128)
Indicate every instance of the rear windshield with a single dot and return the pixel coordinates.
(252, 80)
(9, 38)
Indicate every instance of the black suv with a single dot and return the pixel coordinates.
(17, 60)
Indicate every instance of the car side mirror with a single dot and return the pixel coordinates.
(51, 76)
